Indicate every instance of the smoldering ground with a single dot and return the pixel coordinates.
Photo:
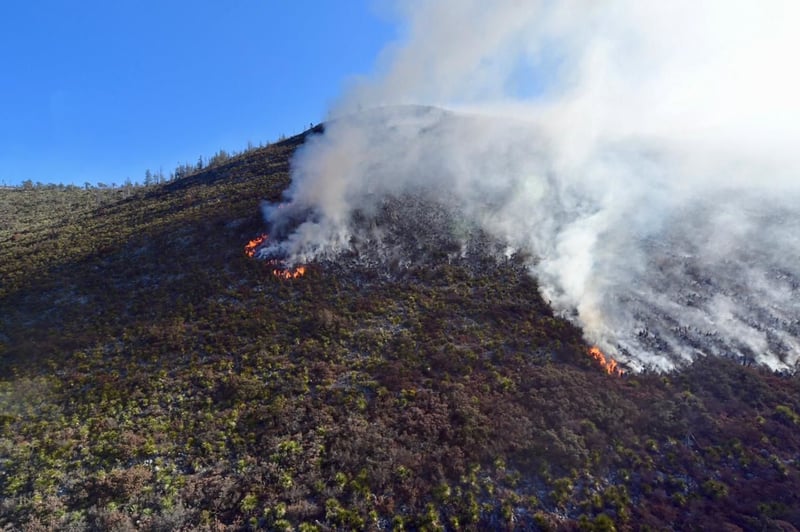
(643, 154)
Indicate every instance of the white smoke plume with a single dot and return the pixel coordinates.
(646, 154)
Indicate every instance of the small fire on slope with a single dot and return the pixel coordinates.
(289, 273)
(252, 247)
(609, 364)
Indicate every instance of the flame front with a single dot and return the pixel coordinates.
(284, 273)
(252, 246)
(290, 273)
(609, 364)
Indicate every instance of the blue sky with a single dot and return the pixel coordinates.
(100, 91)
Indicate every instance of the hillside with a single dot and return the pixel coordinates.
(155, 377)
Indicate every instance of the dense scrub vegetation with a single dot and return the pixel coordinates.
(153, 377)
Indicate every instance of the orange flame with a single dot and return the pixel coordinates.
(283, 273)
(250, 248)
(291, 273)
(609, 364)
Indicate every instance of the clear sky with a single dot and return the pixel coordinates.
(99, 90)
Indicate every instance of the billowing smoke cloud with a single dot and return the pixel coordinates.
(645, 154)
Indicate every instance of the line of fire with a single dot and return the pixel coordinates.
(252, 247)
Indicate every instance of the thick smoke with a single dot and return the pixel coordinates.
(646, 155)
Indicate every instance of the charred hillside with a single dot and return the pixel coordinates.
(153, 376)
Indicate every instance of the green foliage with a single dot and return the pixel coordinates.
(786, 413)
(715, 489)
(152, 376)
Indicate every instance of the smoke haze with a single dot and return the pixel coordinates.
(644, 154)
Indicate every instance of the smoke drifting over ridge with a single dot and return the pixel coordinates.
(645, 154)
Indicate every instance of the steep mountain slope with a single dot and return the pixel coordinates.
(155, 377)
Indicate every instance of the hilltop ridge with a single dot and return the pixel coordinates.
(155, 377)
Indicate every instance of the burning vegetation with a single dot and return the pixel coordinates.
(289, 273)
(252, 247)
(609, 364)
(444, 368)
